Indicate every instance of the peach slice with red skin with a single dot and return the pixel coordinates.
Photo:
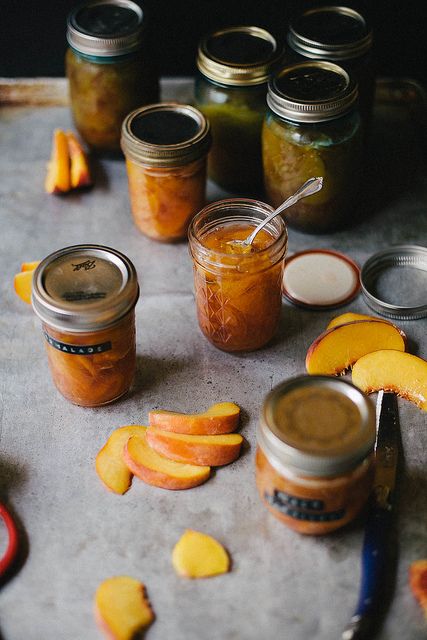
(79, 167)
(220, 418)
(58, 171)
(197, 555)
(122, 609)
(351, 317)
(337, 349)
(214, 451)
(397, 371)
(110, 465)
(418, 582)
(145, 463)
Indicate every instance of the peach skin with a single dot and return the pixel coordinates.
(79, 171)
(220, 418)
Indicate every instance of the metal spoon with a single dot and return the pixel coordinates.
(313, 185)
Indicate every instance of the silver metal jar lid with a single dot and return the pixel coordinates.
(84, 288)
(332, 33)
(165, 135)
(236, 56)
(316, 426)
(311, 92)
(105, 28)
(394, 282)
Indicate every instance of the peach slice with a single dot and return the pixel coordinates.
(22, 283)
(122, 609)
(110, 465)
(351, 317)
(58, 171)
(338, 348)
(220, 418)
(418, 582)
(158, 471)
(214, 451)
(197, 555)
(80, 172)
(397, 371)
(30, 266)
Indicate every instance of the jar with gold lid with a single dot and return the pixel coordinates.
(234, 67)
(85, 296)
(314, 461)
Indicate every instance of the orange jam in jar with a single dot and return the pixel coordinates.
(166, 147)
(85, 296)
(238, 290)
(314, 461)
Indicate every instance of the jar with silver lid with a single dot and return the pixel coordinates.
(312, 128)
(166, 147)
(234, 67)
(85, 296)
(109, 68)
(314, 461)
(338, 34)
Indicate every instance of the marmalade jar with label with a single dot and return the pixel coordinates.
(166, 147)
(109, 69)
(315, 461)
(85, 296)
(238, 290)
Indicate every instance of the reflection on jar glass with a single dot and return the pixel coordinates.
(85, 296)
(314, 461)
(313, 129)
(238, 292)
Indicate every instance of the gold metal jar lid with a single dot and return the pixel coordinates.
(84, 288)
(105, 28)
(311, 92)
(332, 33)
(316, 426)
(165, 135)
(236, 56)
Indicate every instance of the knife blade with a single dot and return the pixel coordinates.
(378, 524)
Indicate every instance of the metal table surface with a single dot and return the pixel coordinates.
(282, 585)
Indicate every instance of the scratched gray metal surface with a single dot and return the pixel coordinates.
(282, 585)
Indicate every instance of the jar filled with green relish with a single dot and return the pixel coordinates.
(312, 128)
(234, 67)
(109, 69)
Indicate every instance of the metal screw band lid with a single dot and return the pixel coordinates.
(311, 92)
(165, 135)
(105, 28)
(84, 288)
(238, 56)
(332, 33)
(316, 426)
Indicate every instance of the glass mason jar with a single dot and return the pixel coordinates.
(238, 292)
(234, 66)
(166, 147)
(109, 69)
(85, 296)
(313, 129)
(341, 35)
(314, 460)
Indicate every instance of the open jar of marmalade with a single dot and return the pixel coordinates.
(85, 296)
(314, 461)
(238, 292)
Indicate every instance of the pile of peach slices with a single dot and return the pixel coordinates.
(68, 167)
(375, 349)
(175, 452)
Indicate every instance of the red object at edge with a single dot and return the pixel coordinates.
(12, 547)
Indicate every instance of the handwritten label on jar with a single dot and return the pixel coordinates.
(78, 349)
(302, 508)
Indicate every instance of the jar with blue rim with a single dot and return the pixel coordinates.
(109, 69)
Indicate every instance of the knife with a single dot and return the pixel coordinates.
(378, 524)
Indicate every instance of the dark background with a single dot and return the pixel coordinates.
(32, 34)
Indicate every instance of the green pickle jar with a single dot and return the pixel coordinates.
(108, 68)
(312, 128)
(235, 65)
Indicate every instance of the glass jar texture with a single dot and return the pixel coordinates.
(314, 460)
(238, 294)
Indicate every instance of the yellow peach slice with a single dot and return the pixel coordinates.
(158, 471)
(58, 171)
(30, 266)
(122, 609)
(79, 171)
(418, 582)
(197, 555)
(214, 451)
(22, 283)
(338, 348)
(110, 465)
(220, 418)
(396, 371)
(351, 317)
